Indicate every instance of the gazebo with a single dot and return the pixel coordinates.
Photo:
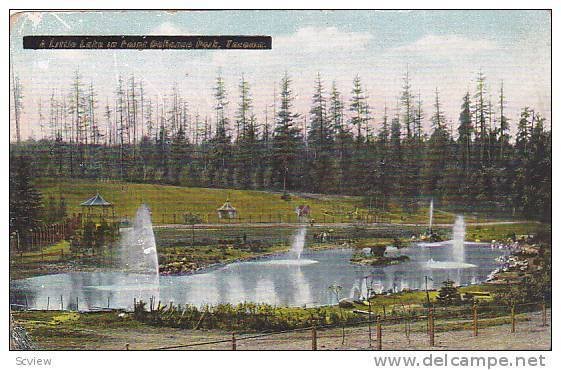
(97, 203)
(227, 211)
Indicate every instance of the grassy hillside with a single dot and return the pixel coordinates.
(255, 206)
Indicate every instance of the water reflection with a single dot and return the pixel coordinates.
(254, 281)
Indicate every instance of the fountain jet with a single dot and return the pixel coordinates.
(458, 241)
(138, 245)
(298, 242)
(431, 208)
(297, 247)
(459, 236)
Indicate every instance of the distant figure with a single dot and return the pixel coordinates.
(303, 211)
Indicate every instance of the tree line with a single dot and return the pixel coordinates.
(338, 148)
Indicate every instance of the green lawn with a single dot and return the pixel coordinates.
(51, 253)
(169, 203)
(165, 200)
(487, 233)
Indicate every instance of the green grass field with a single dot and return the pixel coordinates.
(503, 232)
(167, 202)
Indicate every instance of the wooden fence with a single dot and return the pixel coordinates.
(436, 323)
(44, 235)
(429, 323)
(212, 218)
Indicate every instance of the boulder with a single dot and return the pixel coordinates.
(346, 303)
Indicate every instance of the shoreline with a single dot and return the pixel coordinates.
(69, 267)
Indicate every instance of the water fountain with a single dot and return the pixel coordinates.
(431, 209)
(297, 247)
(279, 283)
(138, 245)
(296, 278)
(299, 242)
(459, 238)
(355, 291)
(458, 241)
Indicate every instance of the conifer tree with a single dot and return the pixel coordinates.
(407, 104)
(179, 154)
(438, 151)
(220, 149)
(25, 200)
(247, 137)
(465, 133)
(504, 136)
(320, 141)
(286, 140)
(342, 139)
(17, 96)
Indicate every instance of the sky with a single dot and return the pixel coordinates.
(440, 49)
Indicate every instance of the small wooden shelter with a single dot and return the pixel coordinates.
(227, 211)
(97, 206)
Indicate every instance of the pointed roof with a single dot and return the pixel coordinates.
(96, 201)
(227, 206)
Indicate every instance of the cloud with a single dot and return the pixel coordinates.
(446, 45)
(168, 29)
(308, 46)
(319, 39)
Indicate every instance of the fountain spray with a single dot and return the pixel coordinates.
(431, 208)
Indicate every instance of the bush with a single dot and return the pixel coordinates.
(245, 316)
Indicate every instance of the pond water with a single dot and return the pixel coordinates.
(274, 280)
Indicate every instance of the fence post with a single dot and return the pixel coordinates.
(379, 333)
(77, 304)
(544, 314)
(48, 301)
(369, 324)
(233, 341)
(314, 339)
(431, 328)
(513, 319)
(61, 303)
(408, 327)
(475, 318)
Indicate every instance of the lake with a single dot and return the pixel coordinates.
(278, 280)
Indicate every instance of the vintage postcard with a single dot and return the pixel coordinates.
(280, 180)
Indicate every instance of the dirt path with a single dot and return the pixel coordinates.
(529, 335)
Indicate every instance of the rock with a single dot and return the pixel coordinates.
(346, 303)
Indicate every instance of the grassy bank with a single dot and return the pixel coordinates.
(166, 201)
(112, 330)
(502, 232)
(190, 250)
